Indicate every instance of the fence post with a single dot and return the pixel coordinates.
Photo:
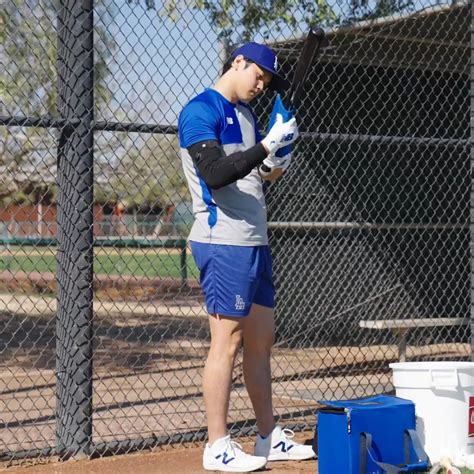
(75, 229)
(471, 247)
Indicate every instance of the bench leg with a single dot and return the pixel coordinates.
(402, 343)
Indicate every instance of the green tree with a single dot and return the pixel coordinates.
(28, 54)
(148, 175)
(366, 10)
(237, 21)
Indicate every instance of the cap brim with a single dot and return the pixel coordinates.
(277, 83)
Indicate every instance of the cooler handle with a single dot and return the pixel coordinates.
(421, 465)
(445, 378)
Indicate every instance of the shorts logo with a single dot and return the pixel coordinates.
(239, 303)
(230, 120)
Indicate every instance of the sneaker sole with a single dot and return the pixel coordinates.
(286, 457)
(224, 468)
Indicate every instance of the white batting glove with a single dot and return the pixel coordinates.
(281, 134)
(271, 162)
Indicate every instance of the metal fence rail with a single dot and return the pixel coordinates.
(104, 333)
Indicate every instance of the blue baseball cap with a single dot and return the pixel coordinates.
(264, 57)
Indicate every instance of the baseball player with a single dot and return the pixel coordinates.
(222, 152)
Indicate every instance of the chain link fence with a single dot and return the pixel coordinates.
(104, 334)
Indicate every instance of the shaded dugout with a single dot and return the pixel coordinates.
(374, 214)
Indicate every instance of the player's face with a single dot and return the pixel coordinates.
(252, 80)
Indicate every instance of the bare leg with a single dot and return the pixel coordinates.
(226, 337)
(259, 336)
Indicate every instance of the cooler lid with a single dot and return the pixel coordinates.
(377, 401)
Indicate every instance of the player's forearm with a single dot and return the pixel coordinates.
(218, 169)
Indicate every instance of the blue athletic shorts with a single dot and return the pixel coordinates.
(233, 277)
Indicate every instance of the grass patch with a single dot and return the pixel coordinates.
(159, 265)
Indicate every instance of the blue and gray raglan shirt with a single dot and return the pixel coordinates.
(234, 214)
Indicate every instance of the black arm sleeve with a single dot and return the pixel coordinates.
(218, 169)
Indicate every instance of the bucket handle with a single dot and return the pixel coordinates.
(410, 440)
(441, 381)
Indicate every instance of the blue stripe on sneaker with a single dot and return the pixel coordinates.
(225, 459)
(283, 447)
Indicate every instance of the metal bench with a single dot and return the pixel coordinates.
(400, 328)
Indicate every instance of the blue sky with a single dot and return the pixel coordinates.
(161, 63)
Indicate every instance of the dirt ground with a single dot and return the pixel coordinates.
(171, 461)
(148, 357)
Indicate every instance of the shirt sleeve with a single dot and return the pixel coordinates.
(197, 122)
(258, 135)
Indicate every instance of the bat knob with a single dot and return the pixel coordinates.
(319, 32)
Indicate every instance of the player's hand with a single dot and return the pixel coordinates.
(281, 134)
(271, 162)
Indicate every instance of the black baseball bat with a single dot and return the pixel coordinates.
(314, 42)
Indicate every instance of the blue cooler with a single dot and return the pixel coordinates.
(372, 435)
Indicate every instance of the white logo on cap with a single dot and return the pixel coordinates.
(275, 64)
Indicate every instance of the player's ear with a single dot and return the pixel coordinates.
(238, 61)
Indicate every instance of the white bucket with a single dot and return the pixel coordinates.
(443, 393)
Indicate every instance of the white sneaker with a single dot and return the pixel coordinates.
(278, 446)
(226, 455)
